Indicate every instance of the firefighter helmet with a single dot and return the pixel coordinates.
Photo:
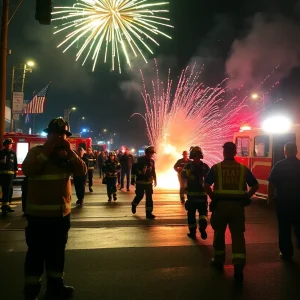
(112, 153)
(196, 152)
(150, 150)
(8, 141)
(58, 125)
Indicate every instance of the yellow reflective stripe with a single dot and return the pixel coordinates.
(7, 172)
(144, 182)
(32, 280)
(193, 225)
(238, 255)
(49, 177)
(55, 274)
(42, 157)
(219, 252)
(132, 176)
(49, 207)
(242, 176)
(203, 218)
(220, 178)
(230, 192)
(196, 193)
(188, 173)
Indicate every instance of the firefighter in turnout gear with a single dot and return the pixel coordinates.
(48, 169)
(8, 171)
(178, 167)
(91, 167)
(229, 197)
(143, 175)
(194, 173)
(111, 168)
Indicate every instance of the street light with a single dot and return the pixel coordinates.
(24, 67)
(68, 114)
(104, 130)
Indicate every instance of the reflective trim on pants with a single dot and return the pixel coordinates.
(202, 217)
(193, 225)
(53, 274)
(31, 280)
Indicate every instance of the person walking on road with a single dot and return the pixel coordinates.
(229, 197)
(283, 191)
(126, 162)
(48, 168)
(111, 168)
(144, 176)
(8, 171)
(193, 174)
(79, 181)
(91, 167)
(178, 167)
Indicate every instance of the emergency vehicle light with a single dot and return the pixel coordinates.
(245, 128)
(278, 124)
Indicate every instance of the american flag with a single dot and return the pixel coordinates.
(37, 104)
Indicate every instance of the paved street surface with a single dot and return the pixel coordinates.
(114, 255)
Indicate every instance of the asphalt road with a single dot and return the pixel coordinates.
(112, 254)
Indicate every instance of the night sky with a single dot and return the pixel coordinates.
(204, 30)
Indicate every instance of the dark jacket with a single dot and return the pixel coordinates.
(92, 160)
(126, 162)
(143, 171)
(180, 164)
(111, 168)
(11, 165)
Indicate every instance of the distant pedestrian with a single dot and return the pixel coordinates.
(126, 162)
(284, 192)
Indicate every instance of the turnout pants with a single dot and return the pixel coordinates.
(46, 239)
(141, 189)
(6, 182)
(90, 177)
(288, 218)
(192, 205)
(229, 213)
(126, 173)
(79, 183)
(111, 186)
(182, 184)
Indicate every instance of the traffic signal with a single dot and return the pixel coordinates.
(43, 11)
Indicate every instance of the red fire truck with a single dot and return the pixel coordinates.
(260, 148)
(24, 142)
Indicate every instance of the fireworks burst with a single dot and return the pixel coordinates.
(122, 26)
(195, 115)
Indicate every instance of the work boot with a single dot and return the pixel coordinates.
(238, 272)
(287, 258)
(56, 289)
(203, 234)
(6, 209)
(109, 199)
(150, 216)
(91, 189)
(133, 208)
(115, 197)
(217, 265)
(192, 235)
(31, 291)
(79, 202)
(128, 190)
(121, 188)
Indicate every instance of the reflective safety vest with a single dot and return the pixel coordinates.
(230, 180)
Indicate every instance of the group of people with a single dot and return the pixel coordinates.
(49, 167)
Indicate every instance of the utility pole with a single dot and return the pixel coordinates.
(3, 54)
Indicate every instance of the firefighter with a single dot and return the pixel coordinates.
(79, 181)
(91, 167)
(8, 171)
(194, 173)
(48, 168)
(111, 168)
(144, 176)
(178, 167)
(229, 197)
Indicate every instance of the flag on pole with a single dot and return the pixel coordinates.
(37, 104)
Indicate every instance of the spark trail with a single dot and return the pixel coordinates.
(194, 115)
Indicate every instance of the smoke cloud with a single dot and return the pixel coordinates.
(273, 41)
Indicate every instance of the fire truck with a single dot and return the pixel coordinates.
(24, 142)
(260, 148)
